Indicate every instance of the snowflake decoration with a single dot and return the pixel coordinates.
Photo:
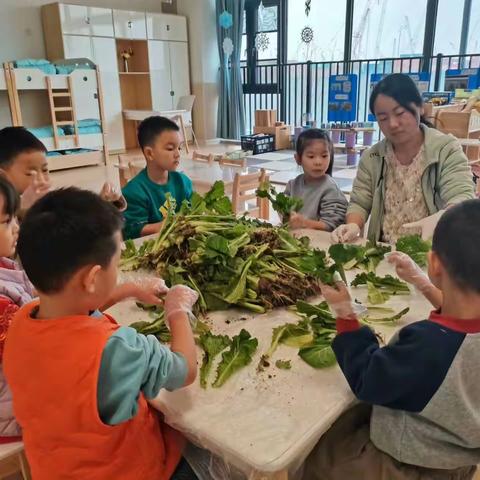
(307, 35)
(262, 42)
(227, 46)
(225, 19)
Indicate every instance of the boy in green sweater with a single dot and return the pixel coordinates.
(159, 140)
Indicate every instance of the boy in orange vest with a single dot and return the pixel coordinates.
(80, 382)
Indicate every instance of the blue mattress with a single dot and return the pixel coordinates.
(45, 132)
(43, 65)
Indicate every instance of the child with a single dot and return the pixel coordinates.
(146, 193)
(423, 386)
(80, 382)
(324, 204)
(23, 161)
(15, 291)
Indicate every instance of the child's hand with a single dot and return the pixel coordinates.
(39, 186)
(408, 270)
(148, 291)
(297, 220)
(179, 299)
(339, 300)
(110, 194)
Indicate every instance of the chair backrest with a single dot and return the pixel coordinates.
(203, 157)
(129, 166)
(233, 162)
(186, 103)
(244, 189)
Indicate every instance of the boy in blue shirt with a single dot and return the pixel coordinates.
(159, 140)
(420, 419)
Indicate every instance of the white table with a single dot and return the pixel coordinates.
(262, 424)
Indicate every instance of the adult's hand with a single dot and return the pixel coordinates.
(427, 224)
(346, 233)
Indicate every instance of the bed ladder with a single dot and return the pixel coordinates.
(65, 109)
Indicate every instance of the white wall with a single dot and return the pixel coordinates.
(204, 63)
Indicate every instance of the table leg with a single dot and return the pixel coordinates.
(283, 475)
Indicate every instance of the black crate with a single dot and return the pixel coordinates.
(258, 143)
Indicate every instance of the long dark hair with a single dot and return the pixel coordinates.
(403, 90)
(308, 136)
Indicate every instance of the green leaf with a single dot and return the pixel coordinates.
(388, 283)
(318, 355)
(415, 247)
(379, 320)
(283, 364)
(375, 295)
(283, 204)
(236, 357)
(212, 346)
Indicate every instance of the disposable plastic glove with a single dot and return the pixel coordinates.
(179, 299)
(148, 290)
(39, 186)
(345, 233)
(427, 224)
(339, 300)
(409, 271)
(110, 194)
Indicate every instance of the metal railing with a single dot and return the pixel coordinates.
(294, 89)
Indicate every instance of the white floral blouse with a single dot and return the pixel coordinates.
(404, 200)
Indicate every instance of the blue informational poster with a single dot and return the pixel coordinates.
(421, 79)
(342, 98)
(464, 78)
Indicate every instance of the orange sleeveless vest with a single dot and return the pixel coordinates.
(52, 368)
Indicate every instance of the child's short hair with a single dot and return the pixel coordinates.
(64, 231)
(10, 196)
(17, 140)
(311, 134)
(150, 128)
(456, 241)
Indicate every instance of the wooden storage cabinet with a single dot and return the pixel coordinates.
(167, 27)
(129, 24)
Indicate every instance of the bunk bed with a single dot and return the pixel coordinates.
(76, 133)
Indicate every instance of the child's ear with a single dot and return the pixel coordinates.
(298, 159)
(90, 278)
(436, 269)
(148, 152)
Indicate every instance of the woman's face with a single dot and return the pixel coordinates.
(396, 122)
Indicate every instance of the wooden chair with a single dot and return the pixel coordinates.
(233, 162)
(203, 157)
(128, 167)
(13, 461)
(244, 190)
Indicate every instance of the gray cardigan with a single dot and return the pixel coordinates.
(322, 200)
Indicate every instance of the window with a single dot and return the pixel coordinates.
(318, 36)
(449, 28)
(383, 28)
(473, 44)
(266, 40)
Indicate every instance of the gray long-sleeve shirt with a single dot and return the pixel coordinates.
(322, 199)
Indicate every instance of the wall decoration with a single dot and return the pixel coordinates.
(225, 19)
(126, 54)
(307, 34)
(342, 98)
(262, 42)
(308, 5)
(227, 46)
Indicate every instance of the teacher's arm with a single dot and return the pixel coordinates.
(455, 183)
(361, 198)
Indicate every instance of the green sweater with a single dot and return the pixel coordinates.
(144, 199)
(447, 179)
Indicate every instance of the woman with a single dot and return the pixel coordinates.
(406, 181)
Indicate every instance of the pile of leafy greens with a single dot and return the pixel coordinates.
(380, 288)
(415, 247)
(230, 261)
